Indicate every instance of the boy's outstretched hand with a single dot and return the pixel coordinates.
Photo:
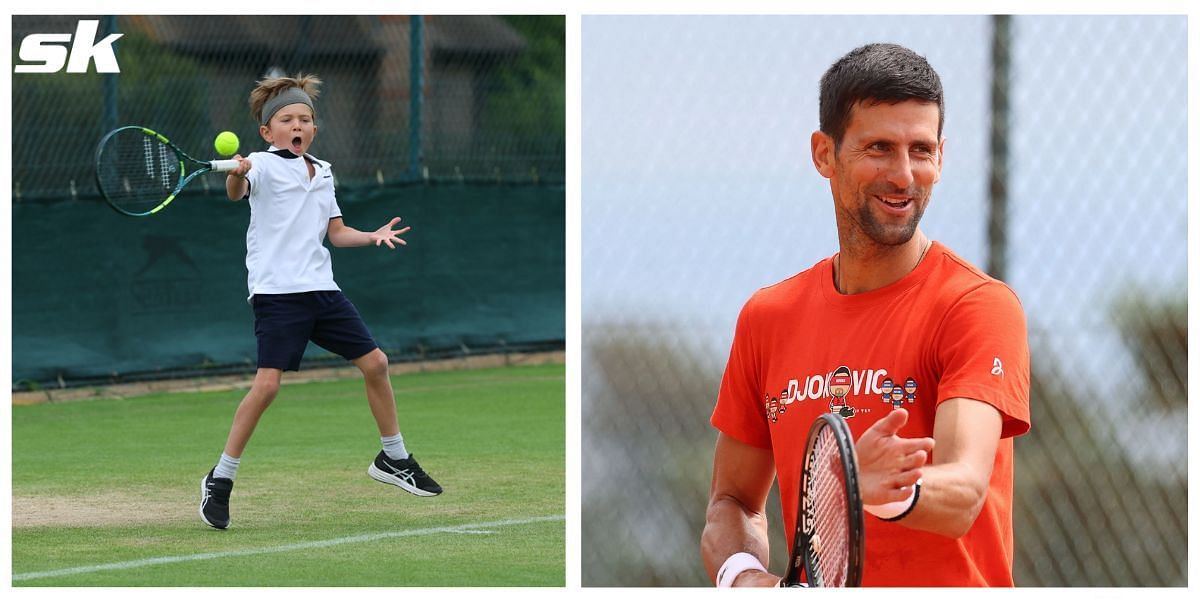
(386, 235)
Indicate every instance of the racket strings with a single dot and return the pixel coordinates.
(137, 172)
(831, 531)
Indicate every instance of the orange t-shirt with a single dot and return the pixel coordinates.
(946, 330)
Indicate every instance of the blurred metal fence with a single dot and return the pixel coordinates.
(1095, 230)
(481, 98)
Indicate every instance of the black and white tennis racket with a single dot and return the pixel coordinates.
(827, 548)
(139, 171)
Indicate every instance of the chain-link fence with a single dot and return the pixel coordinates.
(697, 190)
(440, 98)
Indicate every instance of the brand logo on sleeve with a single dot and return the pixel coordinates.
(997, 367)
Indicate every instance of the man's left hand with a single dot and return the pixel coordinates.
(889, 465)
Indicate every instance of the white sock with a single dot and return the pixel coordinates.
(227, 467)
(393, 447)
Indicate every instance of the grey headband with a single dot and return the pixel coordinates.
(292, 95)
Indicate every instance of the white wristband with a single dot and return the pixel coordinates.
(734, 565)
(893, 511)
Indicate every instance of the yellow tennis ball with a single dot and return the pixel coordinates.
(226, 143)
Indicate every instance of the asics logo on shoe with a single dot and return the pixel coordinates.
(404, 473)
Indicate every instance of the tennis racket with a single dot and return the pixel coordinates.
(827, 548)
(139, 171)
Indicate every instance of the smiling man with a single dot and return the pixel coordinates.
(892, 305)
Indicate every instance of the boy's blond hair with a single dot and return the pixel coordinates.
(272, 86)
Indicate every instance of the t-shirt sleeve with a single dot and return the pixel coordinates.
(739, 413)
(983, 351)
(335, 211)
(255, 173)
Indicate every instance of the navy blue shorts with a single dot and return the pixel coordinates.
(284, 324)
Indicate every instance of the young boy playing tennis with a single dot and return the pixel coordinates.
(292, 211)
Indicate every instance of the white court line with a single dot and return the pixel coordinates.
(371, 537)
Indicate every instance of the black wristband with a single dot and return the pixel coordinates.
(916, 496)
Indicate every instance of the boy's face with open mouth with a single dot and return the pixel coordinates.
(291, 128)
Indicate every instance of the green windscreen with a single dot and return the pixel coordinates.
(100, 296)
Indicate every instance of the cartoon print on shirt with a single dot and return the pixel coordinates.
(839, 386)
(774, 408)
(897, 397)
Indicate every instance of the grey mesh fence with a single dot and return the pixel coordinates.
(437, 98)
(698, 189)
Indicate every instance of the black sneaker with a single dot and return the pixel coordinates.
(214, 500)
(405, 474)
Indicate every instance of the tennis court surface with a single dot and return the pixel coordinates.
(106, 492)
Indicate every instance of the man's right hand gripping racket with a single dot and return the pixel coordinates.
(827, 548)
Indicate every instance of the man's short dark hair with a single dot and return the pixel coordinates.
(876, 73)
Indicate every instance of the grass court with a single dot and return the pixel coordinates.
(106, 493)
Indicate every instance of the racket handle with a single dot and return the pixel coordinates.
(220, 166)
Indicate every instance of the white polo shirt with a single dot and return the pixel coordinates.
(289, 217)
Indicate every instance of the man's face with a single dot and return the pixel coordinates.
(291, 128)
(883, 173)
